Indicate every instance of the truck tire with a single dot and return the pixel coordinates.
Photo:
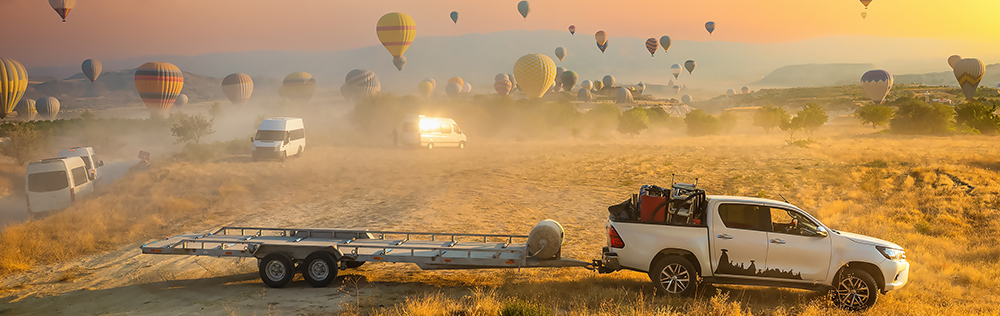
(352, 264)
(319, 269)
(276, 270)
(855, 290)
(674, 274)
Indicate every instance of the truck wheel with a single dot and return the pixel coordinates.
(674, 275)
(319, 269)
(855, 290)
(353, 264)
(276, 270)
(461, 145)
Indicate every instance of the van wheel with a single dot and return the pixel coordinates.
(276, 270)
(300, 151)
(674, 275)
(430, 145)
(855, 290)
(461, 145)
(319, 269)
(284, 155)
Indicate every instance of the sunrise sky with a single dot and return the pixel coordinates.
(34, 34)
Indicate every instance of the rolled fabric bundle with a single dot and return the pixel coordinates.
(545, 239)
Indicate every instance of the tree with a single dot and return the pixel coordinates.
(876, 115)
(979, 115)
(23, 141)
(727, 121)
(216, 109)
(87, 115)
(915, 116)
(700, 123)
(813, 116)
(633, 121)
(192, 128)
(769, 117)
(793, 125)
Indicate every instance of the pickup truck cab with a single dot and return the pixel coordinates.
(752, 241)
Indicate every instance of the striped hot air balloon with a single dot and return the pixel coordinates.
(396, 31)
(48, 107)
(572, 30)
(238, 87)
(13, 82)
(502, 86)
(91, 69)
(535, 74)
(158, 85)
(62, 7)
(876, 84)
(598, 85)
(362, 84)
(501, 77)
(969, 72)
(299, 87)
(26, 110)
(651, 45)
(602, 40)
(676, 70)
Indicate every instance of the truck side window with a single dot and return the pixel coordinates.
(791, 222)
(743, 216)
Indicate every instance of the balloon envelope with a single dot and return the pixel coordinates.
(602, 40)
(665, 42)
(453, 88)
(676, 70)
(587, 84)
(501, 77)
(299, 86)
(513, 82)
(454, 16)
(425, 88)
(864, 15)
(651, 45)
(598, 85)
(569, 79)
(62, 7)
(399, 62)
(502, 87)
(396, 31)
(866, 2)
(876, 84)
(969, 72)
(457, 80)
(608, 81)
(362, 83)
(745, 89)
(158, 85)
(434, 83)
(686, 99)
(13, 82)
(640, 87)
(689, 65)
(523, 8)
(467, 88)
(584, 95)
(710, 26)
(26, 109)
(238, 87)
(182, 100)
(952, 60)
(560, 53)
(572, 30)
(91, 69)
(624, 96)
(48, 107)
(535, 74)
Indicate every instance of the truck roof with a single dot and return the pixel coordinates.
(747, 199)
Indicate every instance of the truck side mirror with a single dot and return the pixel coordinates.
(251, 139)
(820, 232)
(100, 163)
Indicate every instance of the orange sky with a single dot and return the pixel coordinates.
(108, 29)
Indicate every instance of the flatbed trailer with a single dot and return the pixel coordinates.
(319, 253)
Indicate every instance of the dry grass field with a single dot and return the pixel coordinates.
(935, 196)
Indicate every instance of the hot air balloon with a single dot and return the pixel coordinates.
(560, 53)
(457, 80)
(730, 92)
(453, 88)
(396, 31)
(158, 85)
(13, 82)
(676, 70)
(425, 88)
(584, 95)
(569, 79)
(182, 100)
(677, 89)
(689, 65)
(557, 83)
(523, 8)
(602, 40)
(399, 62)
(710, 26)
(864, 15)
(587, 84)
(454, 16)
(876, 84)
(502, 86)
(360, 83)
(598, 85)
(665, 43)
(48, 107)
(535, 73)
(467, 88)
(686, 99)
(238, 87)
(866, 2)
(651, 45)
(572, 30)
(609, 81)
(640, 87)
(91, 69)
(952, 60)
(434, 83)
(62, 7)
(513, 82)
(501, 77)
(26, 109)
(624, 96)
(299, 86)
(745, 89)
(969, 71)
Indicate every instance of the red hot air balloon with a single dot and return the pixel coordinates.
(572, 30)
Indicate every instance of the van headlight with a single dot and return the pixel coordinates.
(891, 253)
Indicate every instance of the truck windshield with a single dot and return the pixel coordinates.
(47, 181)
(270, 135)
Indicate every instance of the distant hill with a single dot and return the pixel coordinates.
(814, 75)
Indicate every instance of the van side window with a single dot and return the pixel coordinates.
(445, 129)
(410, 127)
(48, 181)
(79, 176)
(457, 130)
(744, 216)
(297, 134)
(86, 161)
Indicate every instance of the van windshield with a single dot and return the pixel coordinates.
(270, 135)
(47, 181)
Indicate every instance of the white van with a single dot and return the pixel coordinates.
(89, 157)
(279, 138)
(55, 183)
(431, 132)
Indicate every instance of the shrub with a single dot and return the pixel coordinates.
(727, 121)
(700, 123)
(979, 115)
(23, 141)
(602, 118)
(192, 128)
(522, 308)
(813, 116)
(769, 117)
(876, 115)
(919, 118)
(633, 121)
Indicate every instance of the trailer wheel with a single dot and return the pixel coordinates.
(674, 275)
(353, 264)
(276, 270)
(319, 269)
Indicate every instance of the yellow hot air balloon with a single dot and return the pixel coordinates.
(13, 81)
(396, 31)
(425, 88)
(299, 87)
(535, 74)
(158, 85)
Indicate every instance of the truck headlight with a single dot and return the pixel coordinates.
(891, 253)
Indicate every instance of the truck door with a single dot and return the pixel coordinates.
(739, 240)
(798, 249)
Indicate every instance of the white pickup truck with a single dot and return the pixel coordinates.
(748, 241)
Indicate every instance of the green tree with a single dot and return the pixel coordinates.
(192, 128)
(793, 125)
(979, 115)
(876, 115)
(633, 121)
(727, 121)
(813, 116)
(23, 141)
(602, 118)
(700, 123)
(916, 117)
(769, 117)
